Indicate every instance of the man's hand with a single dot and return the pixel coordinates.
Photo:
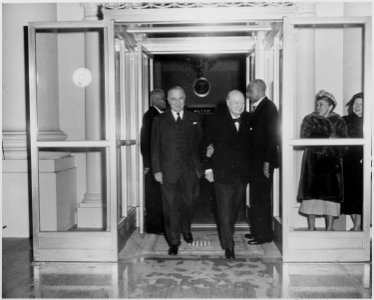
(209, 151)
(209, 176)
(145, 171)
(266, 169)
(158, 177)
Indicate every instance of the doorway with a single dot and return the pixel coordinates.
(221, 73)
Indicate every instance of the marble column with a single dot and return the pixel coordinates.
(16, 184)
(91, 210)
(260, 56)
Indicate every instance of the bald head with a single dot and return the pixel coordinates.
(235, 102)
(256, 89)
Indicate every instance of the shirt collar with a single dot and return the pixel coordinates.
(255, 104)
(159, 110)
(175, 114)
(232, 116)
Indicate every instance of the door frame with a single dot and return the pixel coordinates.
(145, 85)
(75, 245)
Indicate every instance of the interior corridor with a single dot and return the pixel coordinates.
(144, 270)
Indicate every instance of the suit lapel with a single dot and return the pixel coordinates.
(155, 111)
(260, 106)
(169, 117)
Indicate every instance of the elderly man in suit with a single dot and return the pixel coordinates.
(262, 161)
(227, 135)
(153, 205)
(176, 136)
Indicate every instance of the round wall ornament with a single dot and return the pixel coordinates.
(82, 77)
(201, 87)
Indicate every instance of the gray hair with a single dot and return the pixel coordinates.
(176, 87)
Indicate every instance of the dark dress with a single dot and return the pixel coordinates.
(353, 170)
(321, 171)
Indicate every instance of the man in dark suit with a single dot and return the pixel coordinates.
(263, 159)
(153, 205)
(176, 136)
(227, 134)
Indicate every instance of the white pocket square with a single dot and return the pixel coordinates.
(194, 123)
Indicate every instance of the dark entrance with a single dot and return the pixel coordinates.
(206, 80)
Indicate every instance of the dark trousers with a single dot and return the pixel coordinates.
(260, 214)
(229, 200)
(153, 205)
(177, 202)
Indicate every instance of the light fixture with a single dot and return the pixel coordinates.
(82, 77)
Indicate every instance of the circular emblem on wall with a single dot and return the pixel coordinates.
(201, 87)
(82, 77)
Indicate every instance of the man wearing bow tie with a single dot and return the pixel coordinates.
(227, 133)
(176, 136)
(263, 159)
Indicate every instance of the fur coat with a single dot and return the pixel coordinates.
(321, 170)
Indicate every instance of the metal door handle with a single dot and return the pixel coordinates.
(126, 142)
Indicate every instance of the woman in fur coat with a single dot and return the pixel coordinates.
(352, 163)
(321, 181)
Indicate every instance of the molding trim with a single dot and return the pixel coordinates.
(191, 4)
(92, 11)
(15, 144)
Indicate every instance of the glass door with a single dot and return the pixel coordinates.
(145, 80)
(325, 55)
(127, 134)
(73, 141)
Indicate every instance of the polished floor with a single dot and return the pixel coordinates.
(198, 271)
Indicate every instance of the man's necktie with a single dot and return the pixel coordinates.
(237, 120)
(179, 120)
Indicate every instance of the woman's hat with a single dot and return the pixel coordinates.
(323, 93)
(354, 97)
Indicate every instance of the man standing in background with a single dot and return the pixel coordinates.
(154, 222)
(176, 166)
(263, 159)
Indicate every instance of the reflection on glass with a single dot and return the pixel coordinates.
(72, 190)
(76, 280)
(352, 163)
(321, 181)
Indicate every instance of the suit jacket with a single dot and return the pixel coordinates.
(165, 156)
(264, 137)
(145, 135)
(230, 158)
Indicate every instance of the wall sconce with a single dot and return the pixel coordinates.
(82, 77)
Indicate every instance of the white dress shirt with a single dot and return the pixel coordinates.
(236, 123)
(175, 115)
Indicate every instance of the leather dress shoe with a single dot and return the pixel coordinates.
(156, 232)
(188, 237)
(173, 250)
(259, 241)
(229, 253)
(250, 236)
